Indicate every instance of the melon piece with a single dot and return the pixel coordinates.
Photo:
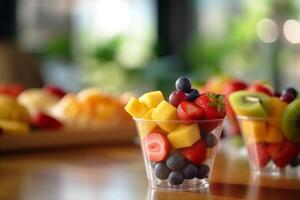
(136, 108)
(152, 99)
(274, 134)
(163, 113)
(184, 136)
(254, 131)
(145, 127)
(276, 108)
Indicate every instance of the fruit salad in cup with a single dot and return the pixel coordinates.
(271, 129)
(179, 135)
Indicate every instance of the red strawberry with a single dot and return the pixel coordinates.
(44, 121)
(258, 153)
(156, 146)
(195, 153)
(263, 88)
(233, 86)
(213, 106)
(189, 111)
(282, 153)
(57, 91)
(11, 89)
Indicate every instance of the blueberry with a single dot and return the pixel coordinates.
(203, 171)
(175, 162)
(176, 178)
(294, 162)
(287, 96)
(190, 171)
(161, 171)
(184, 84)
(210, 140)
(293, 91)
(193, 94)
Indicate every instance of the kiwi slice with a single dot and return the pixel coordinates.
(251, 104)
(290, 121)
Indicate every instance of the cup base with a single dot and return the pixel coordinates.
(187, 185)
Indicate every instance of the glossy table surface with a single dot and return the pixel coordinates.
(117, 172)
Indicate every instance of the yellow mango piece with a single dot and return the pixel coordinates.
(254, 131)
(14, 127)
(136, 108)
(276, 108)
(184, 136)
(145, 127)
(274, 134)
(163, 112)
(152, 99)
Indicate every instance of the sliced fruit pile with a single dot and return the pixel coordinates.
(178, 135)
(272, 133)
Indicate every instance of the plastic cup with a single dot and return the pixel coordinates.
(202, 128)
(270, 152)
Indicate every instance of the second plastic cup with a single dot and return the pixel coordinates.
(179, 155)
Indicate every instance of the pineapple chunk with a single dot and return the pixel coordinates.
(145, 127)
(254, 131)
(136, 108)
(14, 127)
(163, 112)
(274, 134)
(152, 99)
(184, 136)
(276, 108)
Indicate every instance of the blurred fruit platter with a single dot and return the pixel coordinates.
(50, 117)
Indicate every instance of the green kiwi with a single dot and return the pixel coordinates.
(290, 121)
(251, 104)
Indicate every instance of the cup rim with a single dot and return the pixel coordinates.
(243, 117)
(179, 121)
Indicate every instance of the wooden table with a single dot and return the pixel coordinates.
(117, 172)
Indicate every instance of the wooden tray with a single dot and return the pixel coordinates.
(61, 138)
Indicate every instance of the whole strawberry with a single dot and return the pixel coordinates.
(213, 106)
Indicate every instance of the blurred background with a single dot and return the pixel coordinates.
(139, 45)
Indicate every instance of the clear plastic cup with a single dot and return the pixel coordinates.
(270, 152)
(197, 154)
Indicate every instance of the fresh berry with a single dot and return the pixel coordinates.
(263, 88)
(44, 121)
(203, 171)
(282, 153)
(196, 153)
(258, 153)
(176, 178)
(189, 111)
(293, 91)
(177, 97)
(156, 146)
(295, 162)
(11, 89)
(287, 96)
(176, 162)
(183, 84)
(193, 94)
(277, 94)
(57, 91)
(161, 171)
(213, 106)
(190, 171)
(210, 140)
(233, 86)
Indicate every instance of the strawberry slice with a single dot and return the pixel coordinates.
(57, 91)
(195, 153)
(258, 153)
(213, 106)
(156, 146)
(44, 121)
(189, 111)
(282, 153)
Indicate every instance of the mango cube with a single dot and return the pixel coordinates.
(145, 127)
(152, 99)
(276, 108)
(136, 108)
(163, 112)
(184, 136)
(274, 134)
(254, 131)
